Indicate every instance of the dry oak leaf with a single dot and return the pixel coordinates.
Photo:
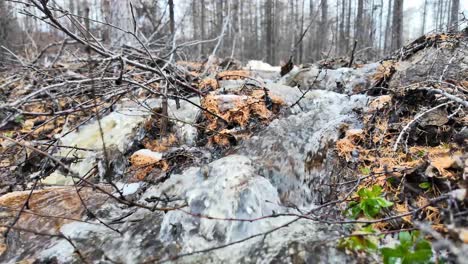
(380, 102)
(144, 161)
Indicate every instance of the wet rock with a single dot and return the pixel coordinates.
(451, 64)
(138, 241)
(229, 189)
(47, 211)
(112, 166)
(117, 130)
(343, 80)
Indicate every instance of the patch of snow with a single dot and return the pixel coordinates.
(128, 188)
(153, 155)
(256, 65)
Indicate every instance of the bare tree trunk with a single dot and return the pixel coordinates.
(397, 29)
(454, 15)
(341, 39)
(106, 12)
(423, 29)
(202, 25)
(269, 30)
(348, 26)
(312, 30)
(322, 38)
(121, 18)
(387, 45)
(381, 19)
(359, 27)
(370, 39)
(301, 47)
(440, 16)
(170, 3)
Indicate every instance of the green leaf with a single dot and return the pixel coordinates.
(390, 255)
(405, 238)
(354, 211)
(365, 170)
(422, 245)
(19, 119)
(412, 249)
(9, 134)
(425, 185)
(391, 180)
(360, 241)
(384, 203)
(362, 192)
(370, 202)
(419, 256)
(376, 191)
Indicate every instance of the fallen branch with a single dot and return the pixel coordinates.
(405, 129)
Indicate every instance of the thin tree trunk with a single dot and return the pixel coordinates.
(397, 29)
(342, 41)
(348, 26)
(269, 30)
(359, 27)
(381, 19)
(322, 38)
(122, 19)
(423, 29)
(301, 46)
(170, 3)
(388, 28)
(312, 30)
(454, 15)
(202, 25)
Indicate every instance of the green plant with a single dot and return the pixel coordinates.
(370, 203)
(421, 153)
(365, 170)
(412, 249)
(9, 134)
(361, 240)
(19, 119)
(425, 185)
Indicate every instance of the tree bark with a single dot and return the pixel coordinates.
(322, 38)
(170, 3)
(348, 26)
(397, 28)
(423, 29)
(202, 26)
(359, 27)
(388, 28)
(269, 30)
(121, 17)
(454, 15)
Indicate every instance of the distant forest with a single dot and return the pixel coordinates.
(267, 30)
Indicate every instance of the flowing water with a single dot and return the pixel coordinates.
(285, 168)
